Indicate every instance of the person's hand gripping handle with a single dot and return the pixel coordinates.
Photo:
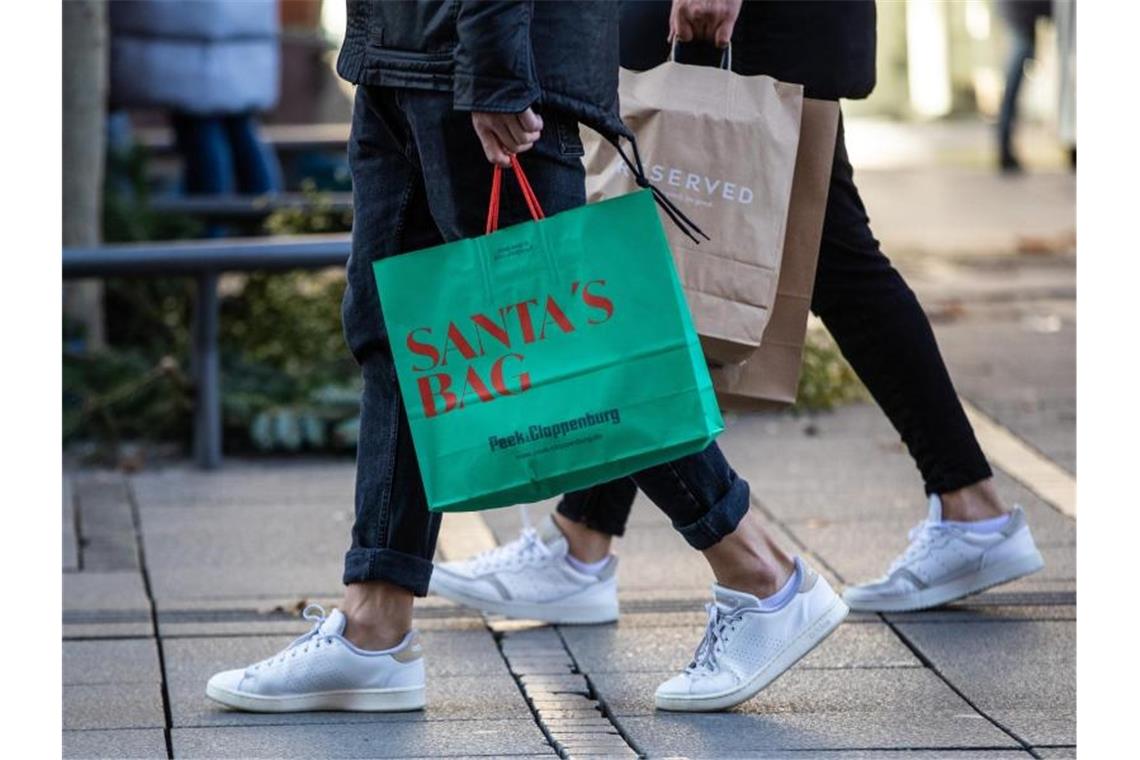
(708, 20)
(505, 134)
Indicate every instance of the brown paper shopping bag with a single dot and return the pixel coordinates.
(771, 375)
(723, 148)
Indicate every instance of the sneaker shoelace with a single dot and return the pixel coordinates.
(315, 614)
(527, 549)
(921, 537)
(720, 624)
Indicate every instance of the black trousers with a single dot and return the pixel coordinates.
(879, 327)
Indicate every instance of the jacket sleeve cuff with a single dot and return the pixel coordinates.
(482, 93)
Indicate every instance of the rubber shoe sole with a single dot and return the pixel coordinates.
(792, 653)
(959, 588)
(354, 700)
(562, 612)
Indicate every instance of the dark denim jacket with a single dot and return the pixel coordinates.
(493, 56)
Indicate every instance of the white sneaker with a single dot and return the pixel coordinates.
(530, 578)
(322, 670)
(745, 647)
(946, 561)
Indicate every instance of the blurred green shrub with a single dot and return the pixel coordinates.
(316, 215)
(288, 380)
(282, 357)
(127, 215)
(826, 379)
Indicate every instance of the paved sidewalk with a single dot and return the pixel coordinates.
(171, 575)
(932, 187)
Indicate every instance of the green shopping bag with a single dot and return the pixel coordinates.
(548, 356)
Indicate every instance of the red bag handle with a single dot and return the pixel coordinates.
(496, 193)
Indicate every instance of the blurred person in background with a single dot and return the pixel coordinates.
(213, 65)
(969, 539)
(1065, 21)
(1020, 18)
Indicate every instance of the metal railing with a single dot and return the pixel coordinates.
(205, 260)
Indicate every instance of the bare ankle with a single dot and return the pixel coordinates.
(979, 501)
(585, 543)
(749, 560)
(378, 614)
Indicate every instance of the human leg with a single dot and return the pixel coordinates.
(207, 159)
(883, 332)
(1021, 51)
(365, 656)
(590, 518)
(255, 163)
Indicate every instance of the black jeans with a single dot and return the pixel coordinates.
(1022, 43)
(224, 154)
(883, 332)
(420, 179)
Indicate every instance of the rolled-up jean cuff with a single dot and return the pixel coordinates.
(406, 570)
(719, 521)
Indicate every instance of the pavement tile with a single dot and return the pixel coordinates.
(544, 666)
(631, 649)
(897, 691)
(641, 551)
(544, 683)
(1023, 673)
(1017, 373)
(133, 626)
(105, 604)
(110, 661)
(786, 461)
(601, 749)
(561, 702)
(121, 591)
(577, 724)
(279, 550)
(378, 739)
(112, 705)
(736, 735)
(1057, 753)
(974, 753)
(466, 679)
(70, 552)
(67, 520)
(978, 609)
(127, 744)
(248, 483)
(1053, 725)
(106, 523)
(575, 715)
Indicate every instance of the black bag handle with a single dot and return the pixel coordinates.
(684, 223)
